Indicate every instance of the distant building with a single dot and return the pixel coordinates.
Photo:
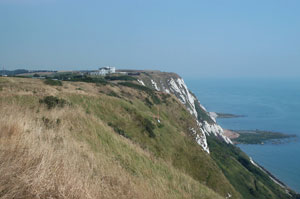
(104, 71)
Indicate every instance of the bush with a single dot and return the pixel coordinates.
(113, 94)
(83, 78)
(118, 130)
(155, 99)
(52, 82)
(122, 77)
(165, 97)
(148, 102)
(52, 102)
(149, 126)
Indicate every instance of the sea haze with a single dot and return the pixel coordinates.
(269, 104)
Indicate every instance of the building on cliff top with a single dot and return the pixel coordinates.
(104, 71)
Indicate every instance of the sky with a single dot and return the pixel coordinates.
(194, 38)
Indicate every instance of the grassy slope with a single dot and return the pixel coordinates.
(102, 163)
(72, 152)
(237, 168)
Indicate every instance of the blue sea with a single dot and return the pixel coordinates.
(268, 104)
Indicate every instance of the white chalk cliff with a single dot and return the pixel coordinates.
(173, 84)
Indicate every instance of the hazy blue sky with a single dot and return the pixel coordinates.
(230, 38)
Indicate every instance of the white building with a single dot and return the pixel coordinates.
(104, 71)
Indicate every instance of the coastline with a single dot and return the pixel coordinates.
(265, 109)
(258, 137)
(252, 136)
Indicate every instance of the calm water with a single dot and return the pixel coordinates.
(272, 105)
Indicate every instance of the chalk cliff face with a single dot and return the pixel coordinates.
(173, 84)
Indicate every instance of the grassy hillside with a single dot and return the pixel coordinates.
(238, 168)
(113, 139)
(95, 144)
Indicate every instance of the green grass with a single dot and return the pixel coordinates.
(237, 168)
(202, 115)
(139, 165)
(163, 141)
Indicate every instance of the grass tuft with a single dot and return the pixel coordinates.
(52, 102)
(52, 82)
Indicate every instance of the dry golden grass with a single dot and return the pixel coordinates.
(67, 153)
(45, 162)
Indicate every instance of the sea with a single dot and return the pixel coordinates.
(270, 104)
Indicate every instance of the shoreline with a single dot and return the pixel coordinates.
(225, 115)
(258, 137)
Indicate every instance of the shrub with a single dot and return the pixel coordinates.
(122, 77)
(52, 102)
(155, 99)
(149, 127)
(160, 125)
(113, 94)
(148, 102)
(52, 82)
(165, 97)
(118, 130)
(83, 78)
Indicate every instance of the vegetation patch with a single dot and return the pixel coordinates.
(80, 78)
(165, 96)
(202, 115)
(52, 82)
(232, 161)
(148, 102)
(52, 102)
(149, 91)
(50, 123)
(154, 98)
(99, 80)
(118, 77)
(136, 86)
(113, 94)
(118, 130)
(147, 125)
